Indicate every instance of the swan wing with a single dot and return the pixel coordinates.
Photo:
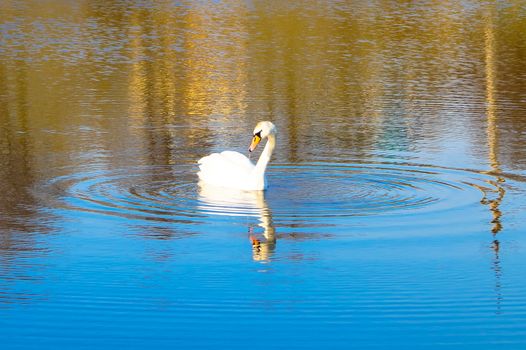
(237, 158)
(226, 158)
(227, 168)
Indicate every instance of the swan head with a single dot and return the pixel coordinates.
(261, 131)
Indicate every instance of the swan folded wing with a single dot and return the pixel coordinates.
(227, 168)
(226, 157)
(237, 158)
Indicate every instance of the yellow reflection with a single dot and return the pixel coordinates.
(153, 84)
(491, 129)
(232, 202)
(137, 80)
(215, 54)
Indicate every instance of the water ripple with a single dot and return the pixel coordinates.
(305, 195)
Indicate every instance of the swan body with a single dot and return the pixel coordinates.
(234, 170)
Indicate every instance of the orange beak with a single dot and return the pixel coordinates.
(255, 141)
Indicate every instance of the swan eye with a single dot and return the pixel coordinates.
(258, 134)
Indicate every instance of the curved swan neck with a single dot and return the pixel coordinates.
(264, 158)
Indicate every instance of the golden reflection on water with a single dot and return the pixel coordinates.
(489, 41)
(492, 129)
(342, 80)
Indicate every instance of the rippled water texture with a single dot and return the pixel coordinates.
(396, 207)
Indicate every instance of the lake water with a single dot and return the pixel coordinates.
(395, 215)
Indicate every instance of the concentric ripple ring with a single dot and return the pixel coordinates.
(308, 193)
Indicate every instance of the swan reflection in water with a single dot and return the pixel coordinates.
(239, 203)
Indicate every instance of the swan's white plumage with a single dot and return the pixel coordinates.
(234, 170)
(226, 169)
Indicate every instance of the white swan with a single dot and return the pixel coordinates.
(234, 170)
